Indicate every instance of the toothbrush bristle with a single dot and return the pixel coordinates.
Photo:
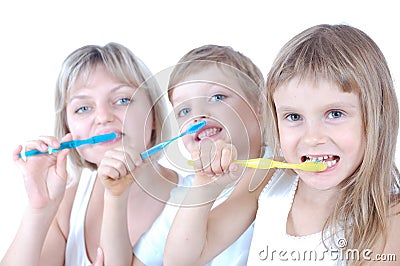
(314, 166)
(196, 127)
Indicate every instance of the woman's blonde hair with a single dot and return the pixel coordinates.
(234, 64)
(349, 58)
(124, 66)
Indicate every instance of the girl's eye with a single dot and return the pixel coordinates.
(217, 97)
(335, 114)
(183, 112)
(124, 101)
(82, 109)
(293, 117)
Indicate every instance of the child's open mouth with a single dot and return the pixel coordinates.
(329, 160)
(207, 132)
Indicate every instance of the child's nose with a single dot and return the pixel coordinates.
(315, 134)
(199, 118)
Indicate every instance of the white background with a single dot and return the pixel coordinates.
(36, 36)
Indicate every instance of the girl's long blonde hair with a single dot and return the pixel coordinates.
(349, 58)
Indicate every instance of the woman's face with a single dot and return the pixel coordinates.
(101, 105)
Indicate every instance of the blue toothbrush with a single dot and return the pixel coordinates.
(72, 144)
(192, 129)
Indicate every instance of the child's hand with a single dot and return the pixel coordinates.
(45, 176)
(115, 170)
(215, 160)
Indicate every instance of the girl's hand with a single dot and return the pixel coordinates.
(45, 176)
(115, 170)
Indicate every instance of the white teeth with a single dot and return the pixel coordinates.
(329, 163)
(208, 132)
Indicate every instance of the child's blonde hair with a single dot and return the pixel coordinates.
(349, 58)
(125, 67)
(234, 64)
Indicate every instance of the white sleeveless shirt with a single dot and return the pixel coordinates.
(75, 254)
(271, 245)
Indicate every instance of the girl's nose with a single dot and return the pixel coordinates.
(315, 134)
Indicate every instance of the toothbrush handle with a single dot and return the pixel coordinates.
(32, 153)
(154, 149)
(158, 147)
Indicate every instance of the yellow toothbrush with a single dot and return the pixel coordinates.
(265, 163)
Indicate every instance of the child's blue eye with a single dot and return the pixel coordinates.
(293, 117)
(82, 109)
(183, 112)
(335, 114)
(217, 97)
(124, 101)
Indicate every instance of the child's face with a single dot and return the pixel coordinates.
(320, 121)
(229, 116)
(99, 106)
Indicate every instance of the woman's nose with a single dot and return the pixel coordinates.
(104, 114)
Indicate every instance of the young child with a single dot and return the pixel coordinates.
(333, 100)
(100, 89)
(223, 87)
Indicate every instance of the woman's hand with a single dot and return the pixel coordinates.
(45, 176)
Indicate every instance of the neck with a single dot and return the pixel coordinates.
(314, 197)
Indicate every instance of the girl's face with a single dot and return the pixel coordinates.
(229, 116)
(320, 122)
(98, 105)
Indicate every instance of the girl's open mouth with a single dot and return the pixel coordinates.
(329, 160)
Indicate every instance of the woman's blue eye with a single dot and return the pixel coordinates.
(183, 112)
(335, 114)
(82, 109)
(293, 117)
(124, 101)
(217, 97)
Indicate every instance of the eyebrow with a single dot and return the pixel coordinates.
(338, 105)
(84, 96)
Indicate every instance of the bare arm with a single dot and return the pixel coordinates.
(116, 178)
(45, 180)
(197, 234)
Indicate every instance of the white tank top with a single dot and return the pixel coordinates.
(75, 254)
(271, 245)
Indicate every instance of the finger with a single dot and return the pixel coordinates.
(216, 154)
(36, 145)
(198, 166)
(226, 158)
(206, 154)
(112, 168)
(50, 141)
(235, 171)
(16, 154)
(61, 165)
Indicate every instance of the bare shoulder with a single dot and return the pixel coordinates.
(393, 236)
(253, 183)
